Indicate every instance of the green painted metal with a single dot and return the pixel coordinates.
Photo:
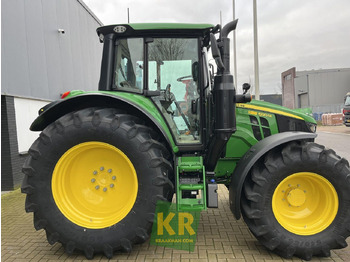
(190, 163)
(169, 26)
(282, 109)
(190, 166)
(243, 139)
(144, 102)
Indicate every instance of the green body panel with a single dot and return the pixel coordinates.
(144, 102)
(190, 166)
(243, 139)
(170, 26)
(269, 106)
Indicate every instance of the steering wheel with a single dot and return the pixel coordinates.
(180, 79)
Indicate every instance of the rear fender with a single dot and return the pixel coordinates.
(251, 157)
(131, 103)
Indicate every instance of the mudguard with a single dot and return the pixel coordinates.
(131, 103)
(249, 159)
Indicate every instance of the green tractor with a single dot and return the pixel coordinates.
(162, 123)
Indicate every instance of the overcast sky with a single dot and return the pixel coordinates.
(306, 34)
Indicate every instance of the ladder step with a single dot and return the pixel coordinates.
(191, 186)
(190, 170)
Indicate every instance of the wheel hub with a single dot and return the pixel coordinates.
(104, 179)
(296, 197)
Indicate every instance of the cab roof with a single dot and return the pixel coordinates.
(162, 29)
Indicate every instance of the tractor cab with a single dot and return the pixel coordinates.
(166, 62)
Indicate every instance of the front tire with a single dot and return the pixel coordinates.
(296, 201)
(93, 178)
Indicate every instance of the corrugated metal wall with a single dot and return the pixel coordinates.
(324, 87)
(37, 60)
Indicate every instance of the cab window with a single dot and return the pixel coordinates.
(128, 70)
(173, 67)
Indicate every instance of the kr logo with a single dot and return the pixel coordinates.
(182, 224)
(173, 228)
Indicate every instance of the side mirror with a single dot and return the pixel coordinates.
(195, 70)
(245, 87)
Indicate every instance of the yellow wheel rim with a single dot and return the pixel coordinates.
(94, 185)
(305, 203)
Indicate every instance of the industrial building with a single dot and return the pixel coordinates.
(47, 48)
(321, 90)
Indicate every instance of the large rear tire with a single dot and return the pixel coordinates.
(296, 201)
(93, 178)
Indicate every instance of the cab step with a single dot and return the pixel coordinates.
(190, 184)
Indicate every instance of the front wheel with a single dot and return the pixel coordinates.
(296, 201)
(93, 178)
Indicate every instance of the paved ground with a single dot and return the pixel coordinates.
(220, 238)
(334, 129)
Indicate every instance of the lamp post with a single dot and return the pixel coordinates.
(256, 55)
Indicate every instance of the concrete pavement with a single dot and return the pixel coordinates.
(220, 238)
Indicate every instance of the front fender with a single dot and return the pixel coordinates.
(251, 157)
(136, 104)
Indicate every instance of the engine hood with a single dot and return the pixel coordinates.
(276, 109)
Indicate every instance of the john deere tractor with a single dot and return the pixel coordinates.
(163, 123)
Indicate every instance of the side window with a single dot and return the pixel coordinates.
(172, 69)
(128, 71)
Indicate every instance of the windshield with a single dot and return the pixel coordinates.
(128, 71)
(173, 70)
(347, 101)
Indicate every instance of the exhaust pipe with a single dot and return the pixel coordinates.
(223, 96)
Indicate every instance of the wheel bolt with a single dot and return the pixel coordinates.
(102, 168)
(113, 177)
(111, 185)
(97, 187)
(93, 180)
(109, 170)
(105, 189)
(95, 172)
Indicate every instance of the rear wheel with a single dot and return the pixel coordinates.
(93, 179)
(296, 201)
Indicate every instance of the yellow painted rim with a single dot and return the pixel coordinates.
(94, 185)
(305, 203)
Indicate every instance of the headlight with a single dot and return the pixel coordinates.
(312, 127)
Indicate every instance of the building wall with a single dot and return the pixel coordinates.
(326, 87)
(11, 160)
(39, 64)
(288, 93)
(37, 60)
(26, 110)
(322, 90)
